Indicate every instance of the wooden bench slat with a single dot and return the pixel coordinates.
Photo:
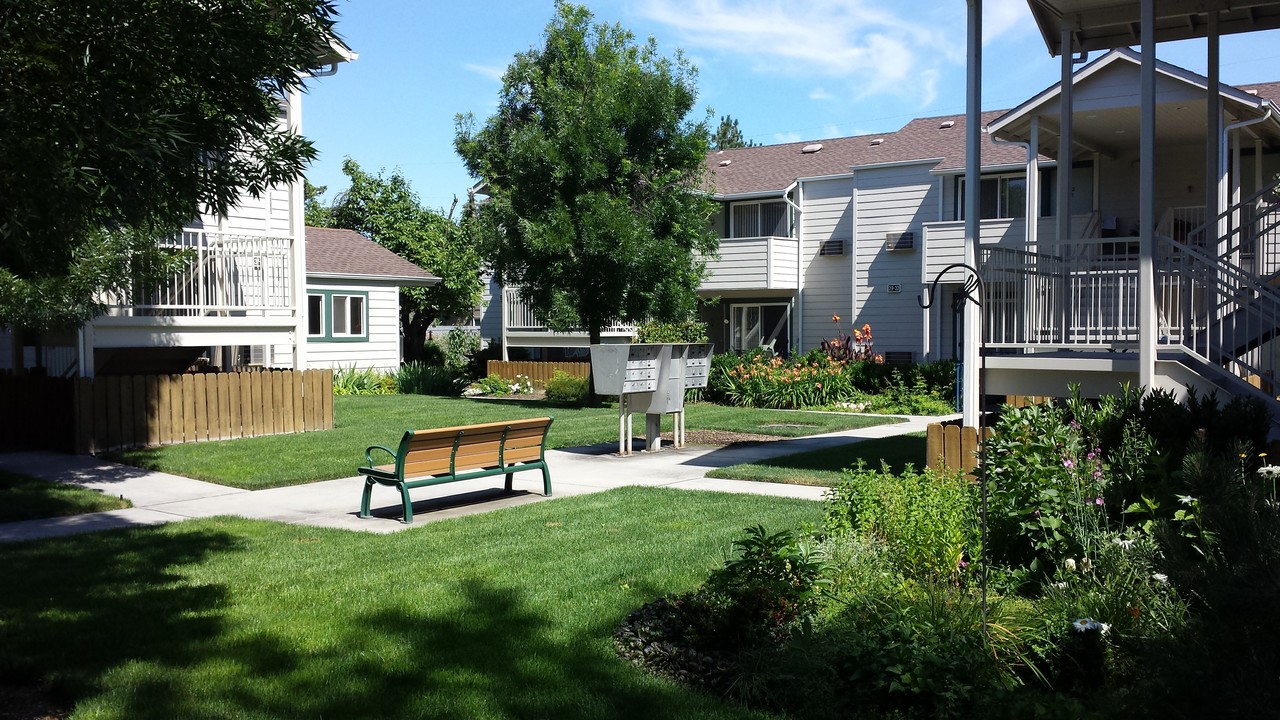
(440, 455)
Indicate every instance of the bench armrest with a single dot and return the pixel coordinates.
(368, 454)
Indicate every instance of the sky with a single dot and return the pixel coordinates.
(787, 70)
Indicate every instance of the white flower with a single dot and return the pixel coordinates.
(1085, 625)
(1160, 578)
(1061, 585)
(1125, 544)
(1086, 564)
(1186, 499)
(1106, 628)
(1070, 565)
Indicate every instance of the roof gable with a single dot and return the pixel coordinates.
(342, 253)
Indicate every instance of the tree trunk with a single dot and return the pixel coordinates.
(593, 333)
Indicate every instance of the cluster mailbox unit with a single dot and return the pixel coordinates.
(651, 379)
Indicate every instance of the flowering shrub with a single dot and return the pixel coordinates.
(850, 347)
(495, 384)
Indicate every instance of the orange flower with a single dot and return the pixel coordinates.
(866, 328)
(835, 318)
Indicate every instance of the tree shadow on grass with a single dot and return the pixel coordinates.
(119, 626)
(77, 606)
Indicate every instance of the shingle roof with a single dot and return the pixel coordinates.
(335, 251)
(772, 168)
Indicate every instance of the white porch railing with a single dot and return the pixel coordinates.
(518, 316)
(232, 273)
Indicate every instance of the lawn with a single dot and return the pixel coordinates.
(28, 498)
(822, 467)
(273, 461)
(507, 614)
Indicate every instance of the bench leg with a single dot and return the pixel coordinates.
(546, 481)
(509, 476)
(364, 497)
(408, 506)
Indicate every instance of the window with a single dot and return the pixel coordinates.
(760, 325)
(760, 219)
(315, 315)
(337, 316)
(1002, 197)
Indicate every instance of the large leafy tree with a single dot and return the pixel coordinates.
(728, 135)
(387, 210)
(593, 174)
(120, 120)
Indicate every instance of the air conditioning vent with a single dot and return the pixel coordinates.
(831, 247)
(894, 242)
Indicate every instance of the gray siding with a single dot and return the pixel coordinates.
(827, 282)
(891, 200)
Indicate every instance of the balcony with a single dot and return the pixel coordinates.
(520, 328)
(753, 263)
(236, 289)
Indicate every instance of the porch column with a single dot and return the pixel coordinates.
(971, 403)
(1147, 203)
(1213, 125)
(1064, 142)
(1033, 185)
(298, 231)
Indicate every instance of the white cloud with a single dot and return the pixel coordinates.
(876, 47)
(1002, 16)
(786, 137)
(491, 72)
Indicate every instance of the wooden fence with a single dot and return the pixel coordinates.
(538, 372)
(952, 446)
(90, 415)
(37, 413)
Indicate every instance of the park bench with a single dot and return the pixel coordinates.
(442, 455)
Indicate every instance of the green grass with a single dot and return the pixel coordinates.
(28, 498)
(278, 460)
(503, 615)
(822, 467)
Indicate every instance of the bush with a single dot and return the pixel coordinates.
(566, 388)
(460, 347)
(366, 381)
(433, 353)
(417, 378)
(926, 520)
(495, 384)
(686, 331)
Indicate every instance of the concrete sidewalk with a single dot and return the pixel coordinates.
(161, 498)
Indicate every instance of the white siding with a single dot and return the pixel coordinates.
(381, 350)
(892, 200)
(827, 214)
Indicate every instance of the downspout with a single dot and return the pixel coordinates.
(799, 217)
(1222, 163)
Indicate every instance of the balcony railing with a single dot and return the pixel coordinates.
(227, 273)
(754, 263)
(518, 316)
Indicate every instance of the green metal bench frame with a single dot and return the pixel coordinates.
(464, 438)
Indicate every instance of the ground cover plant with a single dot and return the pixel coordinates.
(235, 618)
(843, 373)
(826, 466)
(1096, 607)
(28, 498)
(277, 460)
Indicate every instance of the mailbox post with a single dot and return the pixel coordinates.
(649, 378)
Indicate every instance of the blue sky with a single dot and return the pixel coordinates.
(786, 70)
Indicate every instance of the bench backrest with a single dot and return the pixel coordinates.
(471, 447)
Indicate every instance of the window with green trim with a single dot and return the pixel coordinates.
(337, 316)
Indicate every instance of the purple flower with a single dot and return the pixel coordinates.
(1097, 474)
(1068, 463)
(1091, 456)
(1037, 512)
(1097, 501)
